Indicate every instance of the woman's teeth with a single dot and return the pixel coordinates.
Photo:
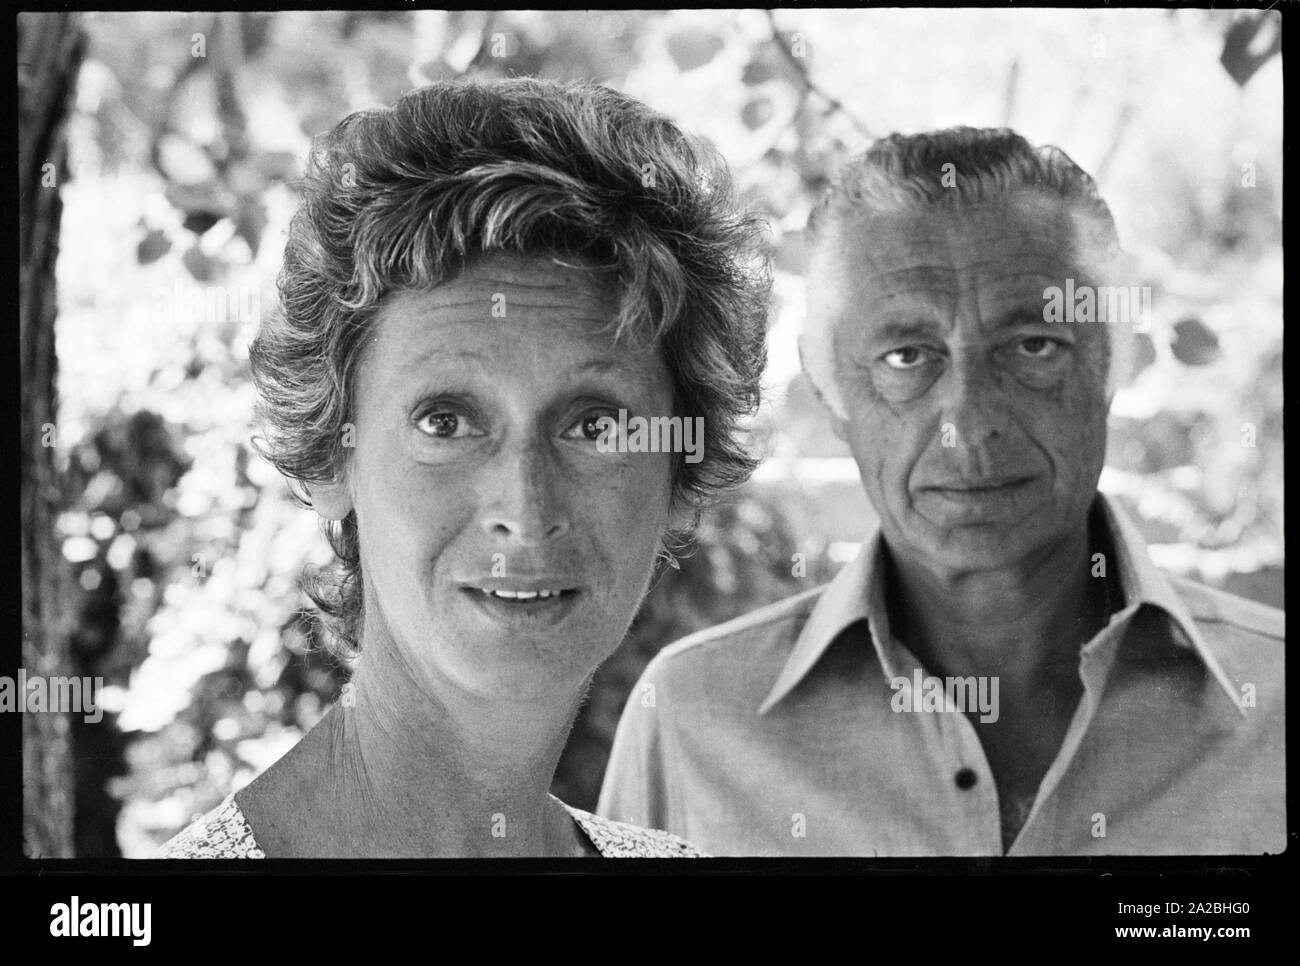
(524, 594)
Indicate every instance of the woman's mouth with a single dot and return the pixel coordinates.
(531, 604)
(526, 596)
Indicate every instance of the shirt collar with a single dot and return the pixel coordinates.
(1142, 583)
(857, 593)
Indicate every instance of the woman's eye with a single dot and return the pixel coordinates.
(908, 357)
(444, 424)
(591, 426)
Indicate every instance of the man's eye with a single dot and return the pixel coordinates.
(908, 357)
(444, 424)
(1039, 347)
(592, 425)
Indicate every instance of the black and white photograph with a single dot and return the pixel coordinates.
(776, 434)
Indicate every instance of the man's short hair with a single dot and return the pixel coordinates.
(951, 169)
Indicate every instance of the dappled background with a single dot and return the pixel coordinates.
(189, 129)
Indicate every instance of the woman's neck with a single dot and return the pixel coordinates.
(419, 768)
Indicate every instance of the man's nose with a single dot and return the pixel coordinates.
(527, 499)
(975, 406)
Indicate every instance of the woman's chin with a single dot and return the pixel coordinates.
(530, 670)
(522, 664)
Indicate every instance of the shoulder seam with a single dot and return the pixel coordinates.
(785, 609)
(1256, 617)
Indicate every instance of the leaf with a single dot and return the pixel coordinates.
(152, 247)
(769, 63)
(250, 223)
(1249, 43)
(1144, 353)
(1193, 343)
(757, 112)
(200, 221)
(691, 48)
(199, 265)
(184, 162)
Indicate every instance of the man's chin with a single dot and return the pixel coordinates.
(975, 546)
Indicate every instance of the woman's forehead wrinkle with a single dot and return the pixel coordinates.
(473, 293)
(455, 340)
(439, 353)
(633, 366)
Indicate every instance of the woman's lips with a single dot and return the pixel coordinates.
(533, 603)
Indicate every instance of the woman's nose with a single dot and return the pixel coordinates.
(527, 499)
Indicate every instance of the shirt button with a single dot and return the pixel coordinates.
(966, 778)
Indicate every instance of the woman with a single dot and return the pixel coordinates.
(480, 283)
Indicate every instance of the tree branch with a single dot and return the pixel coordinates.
(833, 104)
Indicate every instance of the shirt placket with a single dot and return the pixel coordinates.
(965, 780)
(969, 784)
(1095, 661)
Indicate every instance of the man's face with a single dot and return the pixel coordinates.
(503, 553)
(979, 429)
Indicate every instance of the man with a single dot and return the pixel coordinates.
(1001, 671)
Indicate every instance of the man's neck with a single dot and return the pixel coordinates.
(1024, 623)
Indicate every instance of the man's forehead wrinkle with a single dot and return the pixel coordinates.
(1022, 260)
(912, 303)
(925, 226)
(1014, 276)
(993, 264)
(998, 279)
(933, 286)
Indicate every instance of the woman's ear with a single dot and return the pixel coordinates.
(333, 500)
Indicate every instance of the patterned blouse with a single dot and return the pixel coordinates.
(224, 833)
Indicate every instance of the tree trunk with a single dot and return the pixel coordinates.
(49, 54)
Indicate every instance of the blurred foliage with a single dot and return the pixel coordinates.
(188, 133)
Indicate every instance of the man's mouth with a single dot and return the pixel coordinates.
(975, 488)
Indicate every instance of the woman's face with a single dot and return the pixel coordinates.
(503, 553)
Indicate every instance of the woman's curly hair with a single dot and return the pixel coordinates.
(399, 198)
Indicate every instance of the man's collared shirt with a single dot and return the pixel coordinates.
(788, 732)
